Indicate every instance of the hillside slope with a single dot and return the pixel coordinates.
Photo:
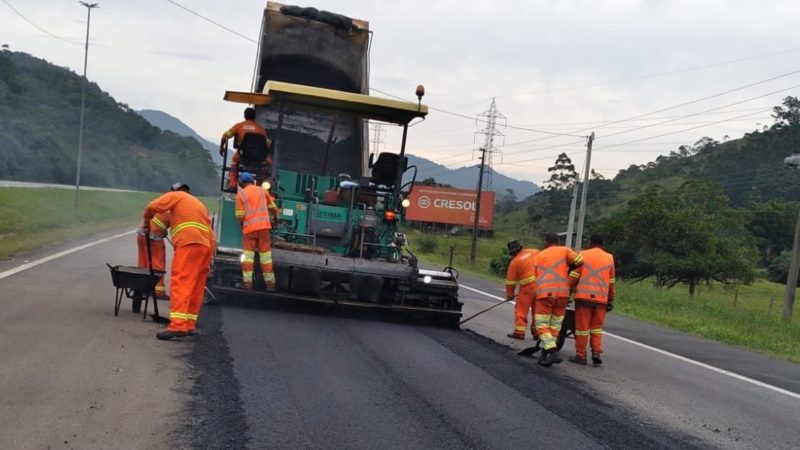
(39, 118)
(466, 178)
(168, 122)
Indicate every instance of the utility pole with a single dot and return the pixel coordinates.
(571, 222)
(89, 7)
(475, 222)
(584, 190)
(792, 162)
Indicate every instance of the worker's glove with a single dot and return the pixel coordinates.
(610, 306)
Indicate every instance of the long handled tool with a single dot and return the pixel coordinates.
(486, 310)
(156, 317)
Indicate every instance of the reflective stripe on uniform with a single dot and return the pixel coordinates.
(177, 228)
(160, 224)
(592, 284)
(596, 331)
(511, 283)
(266, 257)
(527, 281)
(581, 333)
(549, 275)
(191, 317)
(178, 315)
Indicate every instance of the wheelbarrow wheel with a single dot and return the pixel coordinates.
(136, 305)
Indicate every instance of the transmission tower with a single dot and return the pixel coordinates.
(377, 137)
(490, 118)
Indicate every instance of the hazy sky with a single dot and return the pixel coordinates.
(564, 67)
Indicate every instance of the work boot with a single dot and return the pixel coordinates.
(544, 359)
(577, 360)
(555, 356)
(169, 334)
(270, 287)
(248, 286)
(596, 359)
(521, 337)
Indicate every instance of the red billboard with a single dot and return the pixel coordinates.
(448, 205)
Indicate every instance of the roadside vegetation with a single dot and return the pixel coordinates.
(36, 217)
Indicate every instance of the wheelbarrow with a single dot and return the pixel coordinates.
(137, 283)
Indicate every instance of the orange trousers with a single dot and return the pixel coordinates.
(261, 243)
(158, 253)
(190, 266)
(589, 320)
(548, 315)
(522, 308)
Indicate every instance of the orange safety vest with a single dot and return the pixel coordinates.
(242, 128)
(252, 208)
(521, 270)
(595, 276)
(552, 271)
(189, 220)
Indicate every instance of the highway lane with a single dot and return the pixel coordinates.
(720, 410)
(71, 374)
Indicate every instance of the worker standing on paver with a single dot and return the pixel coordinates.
(594, 294)
(158, 251)
(521, 272)
(194, 244)
(253, 208)
(552, 294)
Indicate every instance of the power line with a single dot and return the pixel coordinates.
(38, 27)
(191, 11)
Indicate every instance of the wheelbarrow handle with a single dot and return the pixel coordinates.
(149, 255)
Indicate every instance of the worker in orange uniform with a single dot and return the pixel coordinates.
(253, 208)
(552, 294)
(239, 132)
(594, 293)
(158, 251)
(194, 244)
(521, 271)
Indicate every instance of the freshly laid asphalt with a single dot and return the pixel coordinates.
(264, 375)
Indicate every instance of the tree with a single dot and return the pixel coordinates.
(563, 175)
(509, 201)
(686, 235)
(430, 181)
(788, 114)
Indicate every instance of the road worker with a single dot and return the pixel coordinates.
(158, 251)
(257, 143)
(594, 292)
(552, 294)
(253, 208)
(194, 244)
(521, 272)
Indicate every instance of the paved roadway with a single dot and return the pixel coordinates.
(74, 376)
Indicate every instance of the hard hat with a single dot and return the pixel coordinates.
(180, 187)
(245, 177)
(514, 247)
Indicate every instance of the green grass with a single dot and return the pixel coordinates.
(711, 313)
(31, 218)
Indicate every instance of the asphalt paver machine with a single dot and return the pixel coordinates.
(337, 239)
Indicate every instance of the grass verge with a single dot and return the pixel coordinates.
(717, 312)
(31, 218)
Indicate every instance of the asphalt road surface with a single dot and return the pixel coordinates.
(271, 376)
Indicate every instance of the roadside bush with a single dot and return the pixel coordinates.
(499, 265)
(427, 244)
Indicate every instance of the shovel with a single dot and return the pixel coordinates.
(486, 310)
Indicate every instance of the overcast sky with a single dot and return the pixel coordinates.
(564, 67)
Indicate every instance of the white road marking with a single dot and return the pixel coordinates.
(678, 357)
(37, 262)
